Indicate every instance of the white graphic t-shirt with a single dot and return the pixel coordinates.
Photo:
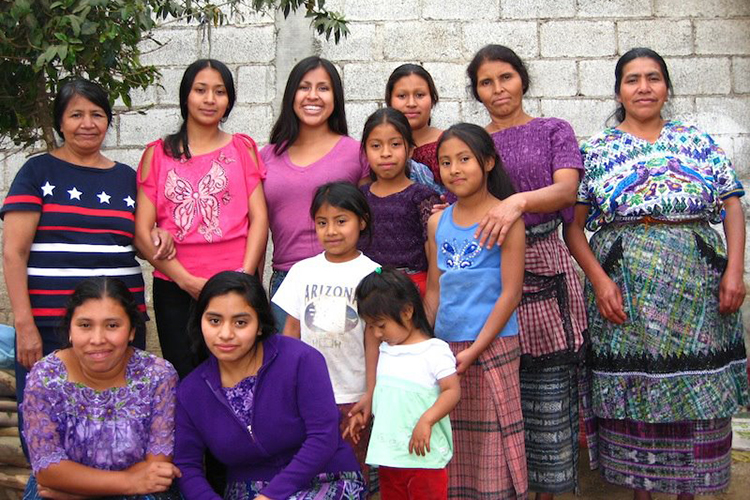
(320, 294)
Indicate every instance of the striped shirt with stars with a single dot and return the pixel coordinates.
(86, 228)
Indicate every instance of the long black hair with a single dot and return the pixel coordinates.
(635, 53)
(501, 53)
(397, 120)
(176, 145)
(386, 293)
(248, 287)
(286, 129)
(482, 147)
(98, 288)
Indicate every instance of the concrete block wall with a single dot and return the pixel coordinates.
(570, 46)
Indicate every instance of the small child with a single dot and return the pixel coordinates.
(474, 291)
(318, 297)
(416, 388)
(400, 207)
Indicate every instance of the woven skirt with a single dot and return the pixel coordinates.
(549, 399)
(341, 486)
(681, 457)
(489, 458)
(675, 358)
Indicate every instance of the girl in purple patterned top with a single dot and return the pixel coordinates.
(99, 414)
(400, 207)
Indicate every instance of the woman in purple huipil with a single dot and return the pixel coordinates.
(99, 414)
(541, 156)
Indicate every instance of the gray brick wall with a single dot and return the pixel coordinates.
(570, 45)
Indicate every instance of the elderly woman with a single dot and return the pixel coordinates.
(542, 159)
(668, 357)
(68, 216)
(100, 413)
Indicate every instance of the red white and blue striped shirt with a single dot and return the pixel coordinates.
(86, 228)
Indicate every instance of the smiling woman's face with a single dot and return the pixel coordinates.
(84, 125)
(643, 89)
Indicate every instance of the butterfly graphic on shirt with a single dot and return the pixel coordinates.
(460, 257)
(190, 201)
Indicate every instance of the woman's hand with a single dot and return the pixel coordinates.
(498, 220)
(731, 292)
(57, 495)
(420, 438)
(609, 301)
(152, 476)
(464, 360)
(193, 285)
(164, 243)
(262, 497)
(28, 344)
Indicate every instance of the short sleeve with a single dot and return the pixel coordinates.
(725, 177)
(289, 295)
(41, 406)
(442, 361)
(150, 183)
(255, 169)
(583, 186)
(564, 147)
(25, 193)
(161, 439)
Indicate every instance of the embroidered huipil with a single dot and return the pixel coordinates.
(109, 430)
(203, 202)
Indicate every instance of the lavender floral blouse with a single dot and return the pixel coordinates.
(109, 430)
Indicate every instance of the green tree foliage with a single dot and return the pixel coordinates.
(42, 42)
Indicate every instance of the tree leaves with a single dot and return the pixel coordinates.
(42, 42)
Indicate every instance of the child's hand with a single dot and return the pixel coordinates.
(357, 422)
(420, 438)
(464, 360)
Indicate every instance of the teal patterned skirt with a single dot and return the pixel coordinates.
(675, 358)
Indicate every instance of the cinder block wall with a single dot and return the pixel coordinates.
(570, 46)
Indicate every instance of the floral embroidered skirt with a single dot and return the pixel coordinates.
(341, 486)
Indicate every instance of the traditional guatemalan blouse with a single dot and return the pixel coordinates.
(684, 175)
(109, 430)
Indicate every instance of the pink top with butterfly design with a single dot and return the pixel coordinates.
(203, 202)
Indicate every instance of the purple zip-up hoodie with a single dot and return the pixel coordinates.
(294, 432)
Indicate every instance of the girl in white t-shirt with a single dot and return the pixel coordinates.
(416, 387)
(318, 297)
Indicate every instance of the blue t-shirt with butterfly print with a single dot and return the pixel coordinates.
(470, 282)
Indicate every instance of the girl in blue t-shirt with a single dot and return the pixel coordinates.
(472, 293)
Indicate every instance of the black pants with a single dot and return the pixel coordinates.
(172, 307)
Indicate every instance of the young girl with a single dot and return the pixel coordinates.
(203, 185)
(416, 382)
(262, 403)
(318, 297)
(400, 207)
(410, 89)
(472, 293)
(99, 413)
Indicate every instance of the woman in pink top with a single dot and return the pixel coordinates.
(309, 146)
(203, 186)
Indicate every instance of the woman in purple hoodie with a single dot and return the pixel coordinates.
(262, 404)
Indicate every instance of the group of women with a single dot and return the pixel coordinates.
(651, 349)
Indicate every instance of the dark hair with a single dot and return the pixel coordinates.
(627, 57)
(482, 147)
(249, 287)
(98, 288)
(343, 195)
(90, 91)
(389, 116)
(407, 70)
(496, 53)
(386, 293)
(175, 145)
(286, 129)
